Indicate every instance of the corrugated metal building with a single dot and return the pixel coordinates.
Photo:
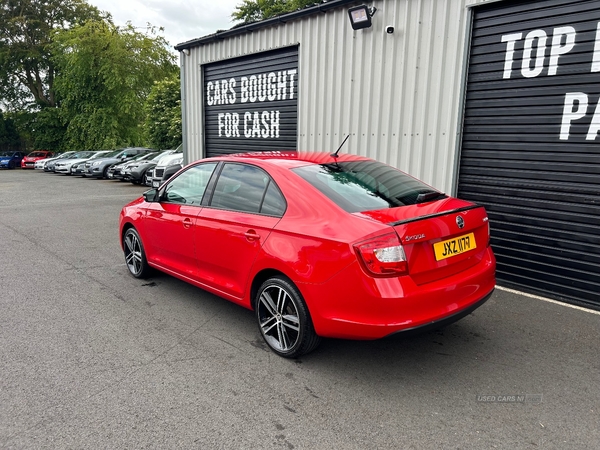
(493, 101)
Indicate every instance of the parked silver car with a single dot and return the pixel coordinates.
(79, 168)
(64, 165)
(99, 167)
(41, 164)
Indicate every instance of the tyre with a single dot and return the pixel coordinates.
(135, 257)
(11, 164)
(283, 319)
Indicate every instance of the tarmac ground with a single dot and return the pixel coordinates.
(94, 358)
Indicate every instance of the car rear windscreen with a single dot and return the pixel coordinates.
(358, 186)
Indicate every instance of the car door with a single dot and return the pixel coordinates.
(169, 224)
(245, 206)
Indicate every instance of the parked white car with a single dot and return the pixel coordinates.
(41, 163)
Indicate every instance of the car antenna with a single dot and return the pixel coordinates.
(335, 154)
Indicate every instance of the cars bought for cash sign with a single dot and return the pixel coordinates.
(251, 103)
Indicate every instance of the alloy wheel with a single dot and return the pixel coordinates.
(135, 257)
(279, 319)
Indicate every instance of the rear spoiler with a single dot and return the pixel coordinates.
(429, 216)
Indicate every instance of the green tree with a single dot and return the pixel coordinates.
(163, 114)
(106, 74)
(26, 68)
(48, 130)
(256, 10)
(9, 137)
(43, 129)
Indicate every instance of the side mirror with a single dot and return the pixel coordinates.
(151, 195)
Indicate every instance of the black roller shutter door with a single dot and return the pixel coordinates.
(531, 148)
(251, 103)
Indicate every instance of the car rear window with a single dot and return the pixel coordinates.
(358, 186)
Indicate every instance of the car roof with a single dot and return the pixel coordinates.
(292, 159)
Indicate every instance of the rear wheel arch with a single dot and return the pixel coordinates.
(259, 279)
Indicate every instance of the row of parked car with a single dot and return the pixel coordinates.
(12, 159)
(137, 165)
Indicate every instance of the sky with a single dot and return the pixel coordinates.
(182, 20)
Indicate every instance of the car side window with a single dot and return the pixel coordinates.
(188, 188)
(246, 188)
(273, 203)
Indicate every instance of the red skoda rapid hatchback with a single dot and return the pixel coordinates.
(318, 245)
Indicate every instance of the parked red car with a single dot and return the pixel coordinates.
(318, 245)
(28, 162)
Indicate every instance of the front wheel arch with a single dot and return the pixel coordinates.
(141, 179)
(135, 255)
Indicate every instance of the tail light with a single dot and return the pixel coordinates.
(489, 231)
(382, 256)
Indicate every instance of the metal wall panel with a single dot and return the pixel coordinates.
(530, 142)
(397, 95)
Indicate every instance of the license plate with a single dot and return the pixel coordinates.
(456, 246)
(155, 184)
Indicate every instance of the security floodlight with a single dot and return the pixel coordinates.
(360, 16)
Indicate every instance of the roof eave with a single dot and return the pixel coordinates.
(248, 28)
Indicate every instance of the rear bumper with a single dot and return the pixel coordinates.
(353, 305)
(443, 322)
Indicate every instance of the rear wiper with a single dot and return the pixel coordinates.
(429, 196)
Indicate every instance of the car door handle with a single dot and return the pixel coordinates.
(187, 222)
(252, 235)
